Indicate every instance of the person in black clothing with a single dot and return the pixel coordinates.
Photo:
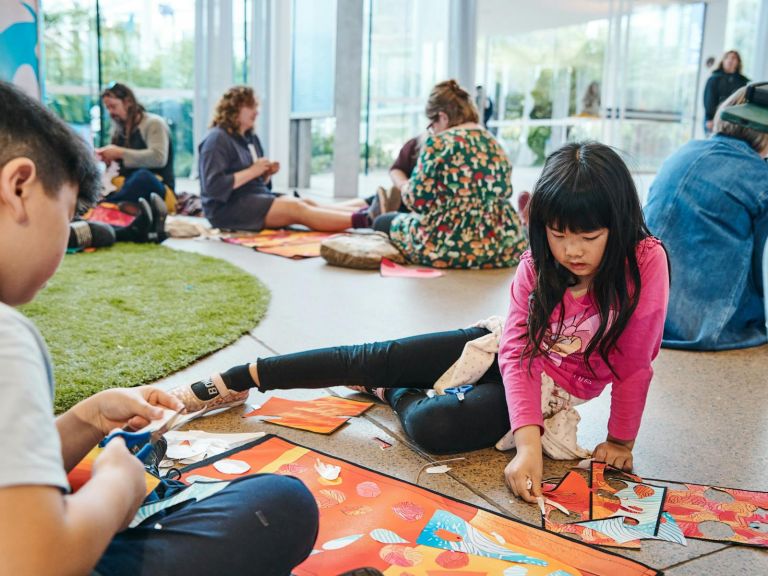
(725, 80)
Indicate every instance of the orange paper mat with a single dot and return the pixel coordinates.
(287, 243)
(370, 519)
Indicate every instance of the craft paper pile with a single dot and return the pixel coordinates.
(192, 446)
(322, 415)
(287, 243)
(370, 519)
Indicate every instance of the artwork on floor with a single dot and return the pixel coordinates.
(322, 415)
(620, 509)
(391, 269)
(294, 244)
(370, 519)
(641, 503)
(573, 493)
(743, 513)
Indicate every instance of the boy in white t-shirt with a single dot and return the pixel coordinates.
(265, 521)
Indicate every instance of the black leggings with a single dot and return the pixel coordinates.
(407, 367)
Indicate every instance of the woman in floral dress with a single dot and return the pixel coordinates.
(459, 193)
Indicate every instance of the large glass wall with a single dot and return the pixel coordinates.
(149, 46)
(741, 32)
(405, 48)
(628, 79)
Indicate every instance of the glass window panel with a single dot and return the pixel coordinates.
(404, 56)
(150, 47)
(70, 64)
(741, 32)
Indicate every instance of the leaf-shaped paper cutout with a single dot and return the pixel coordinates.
(342, 542)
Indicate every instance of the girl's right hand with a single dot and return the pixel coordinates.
(129, 473)
(524, 473)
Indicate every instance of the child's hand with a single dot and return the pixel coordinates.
(134, 407)
(523, 474)
(129, 473)
(614, 454)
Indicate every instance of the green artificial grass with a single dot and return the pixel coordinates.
(134, 313)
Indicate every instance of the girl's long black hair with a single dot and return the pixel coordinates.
(583, 187)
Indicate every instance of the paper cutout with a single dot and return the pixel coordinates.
(361, 515)
(287, 243)
(340, 543)
(448, 531)
(574, 493)
(368, 489)
(231, 467)
(398, 555)
(608, 502)
(618, 530)
(321, 415)
(744, 514)
(391, 269)
(327, 471)
(387, 536)
(408, 511)
(198, 491)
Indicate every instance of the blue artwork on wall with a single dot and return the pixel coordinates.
(18, 49)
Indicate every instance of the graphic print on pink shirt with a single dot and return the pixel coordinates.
(574, 337)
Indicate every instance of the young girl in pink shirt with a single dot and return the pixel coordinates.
(587, 309)
(588, 306)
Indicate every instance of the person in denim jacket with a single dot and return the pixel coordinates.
(709, 205)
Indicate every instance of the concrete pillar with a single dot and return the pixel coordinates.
(301, 153)
(348, 96)
(462, 42)
(260, 64)
(279, 89)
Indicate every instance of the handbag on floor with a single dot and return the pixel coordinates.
(359, 250)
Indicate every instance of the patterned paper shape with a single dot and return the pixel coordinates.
(293, 244)
(616, 529)
(574, 493)
(448, 531)
(321, 415)
(639, 501)
(361, 515)
(745, 514)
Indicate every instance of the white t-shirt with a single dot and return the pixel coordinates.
(31, 451)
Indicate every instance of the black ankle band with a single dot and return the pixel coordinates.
(238, 378)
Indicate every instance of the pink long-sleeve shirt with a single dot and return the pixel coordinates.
(631, 358)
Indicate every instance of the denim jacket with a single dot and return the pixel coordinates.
(709, 205)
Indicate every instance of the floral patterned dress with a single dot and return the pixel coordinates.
(459, 195)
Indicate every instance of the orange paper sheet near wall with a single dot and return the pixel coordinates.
(287, 243)
(321, 415)
(369, 519)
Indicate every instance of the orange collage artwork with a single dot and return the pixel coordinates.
(370, 519)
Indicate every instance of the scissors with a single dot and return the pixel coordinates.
(459, 391)
(142, 443)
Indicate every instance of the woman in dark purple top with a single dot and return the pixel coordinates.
(235, 177)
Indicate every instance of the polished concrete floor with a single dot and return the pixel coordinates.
(705, 420)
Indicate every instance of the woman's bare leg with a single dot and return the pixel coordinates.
(286, 211)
